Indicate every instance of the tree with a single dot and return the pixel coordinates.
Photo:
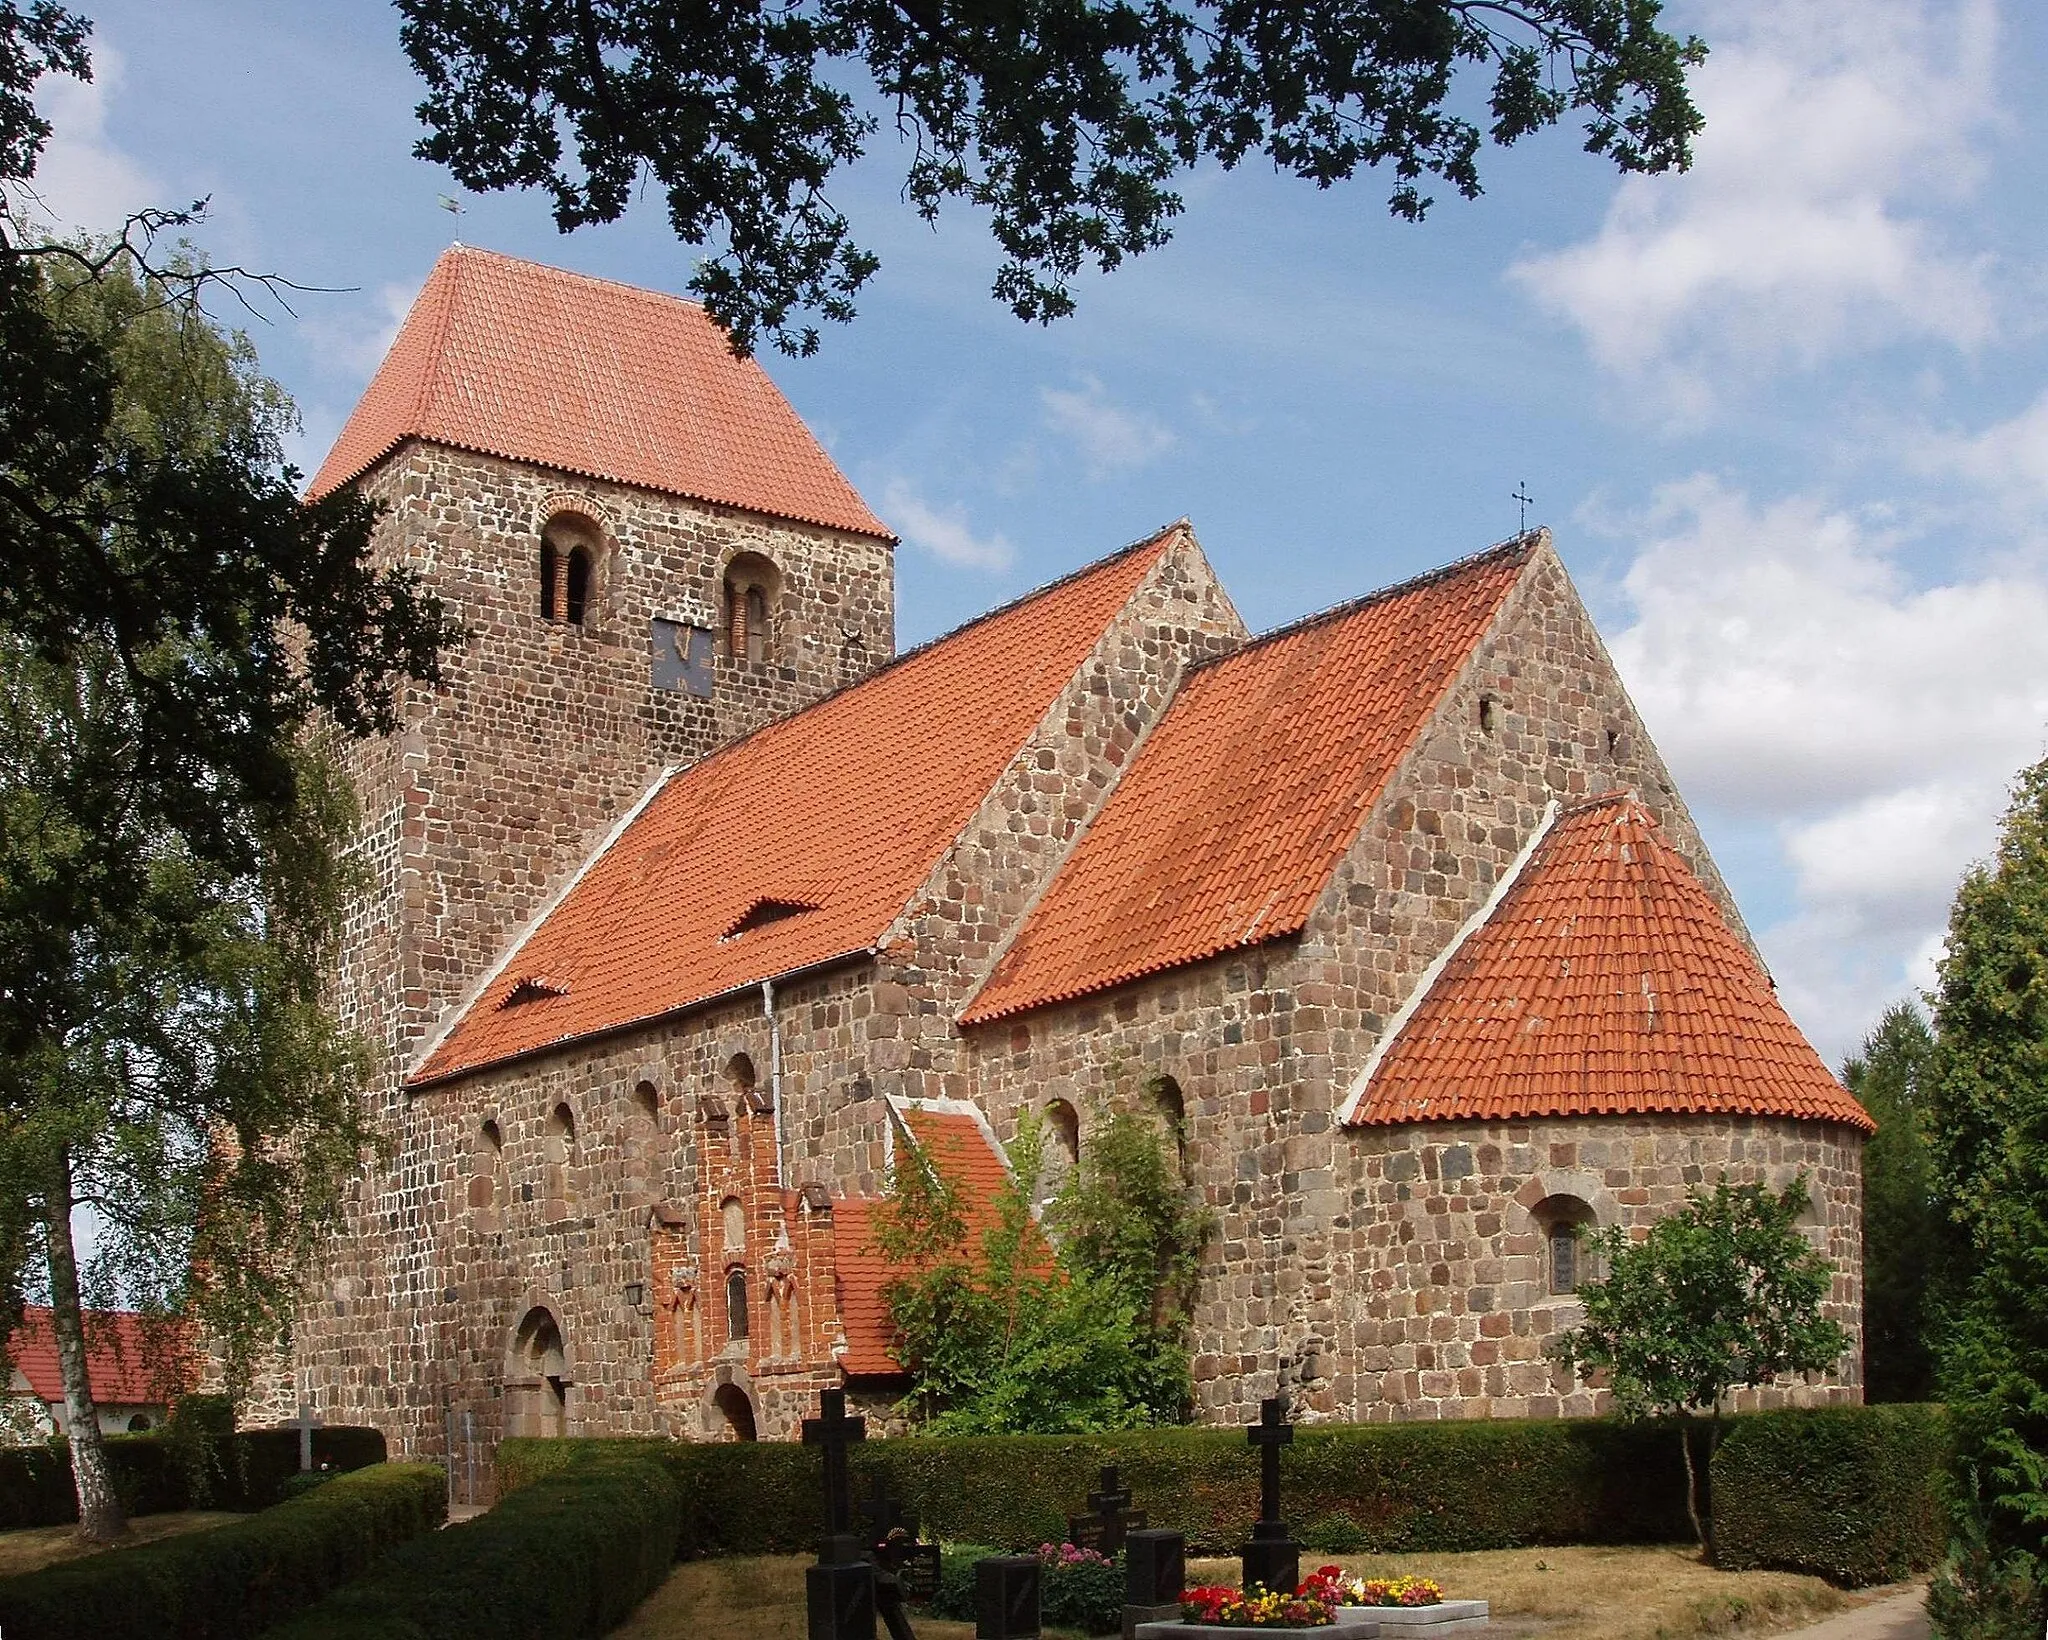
(1066, 121)
(180, 642)
(1003, 1335)
(1903, 1229)
(1723, 1294)
(1988, 1131)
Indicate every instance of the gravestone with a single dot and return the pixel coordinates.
(1111, 1518)
(904, 1567)
(839, 1592)
(1271, 1559)
(1155, 1572)
(1006, 1597)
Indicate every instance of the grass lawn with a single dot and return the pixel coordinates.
(1561, 1594)
(34, 1547)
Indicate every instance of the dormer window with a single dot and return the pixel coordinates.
(762, 912)
(531, 988)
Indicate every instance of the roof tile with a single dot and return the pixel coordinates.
(1248, 791)
(1606, 982)
(536, 364)
(130, 1359)
(845, 806)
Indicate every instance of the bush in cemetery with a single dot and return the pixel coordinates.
(1080, 1589)
(1724, 1293)
(236, 1580)
(1988, 1130)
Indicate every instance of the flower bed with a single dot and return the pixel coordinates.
(1333, 1588)
(1256, 1608)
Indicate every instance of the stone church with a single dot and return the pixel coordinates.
(693, 900)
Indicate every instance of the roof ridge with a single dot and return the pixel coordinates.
(1524, 543)
(644, 292)
(440, 323)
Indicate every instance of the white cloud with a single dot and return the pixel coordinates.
(1797, 681)
(1110, 437)
(942, 531)
(353, 343)
(2009, 457)
(83, 180)
(1832, 126)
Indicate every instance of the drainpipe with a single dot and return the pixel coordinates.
(774, 1069)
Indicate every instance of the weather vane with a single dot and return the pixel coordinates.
(1521, 493)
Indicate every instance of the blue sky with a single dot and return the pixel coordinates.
(1787, 415)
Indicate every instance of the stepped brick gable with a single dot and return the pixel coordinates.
(691, 906)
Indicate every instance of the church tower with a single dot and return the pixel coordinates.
(652, 557)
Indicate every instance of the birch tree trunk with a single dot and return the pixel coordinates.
(100, 1515)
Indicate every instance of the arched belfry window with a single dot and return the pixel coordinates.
(549, 566)
(568, 569)
(578, 601)
(752, 587)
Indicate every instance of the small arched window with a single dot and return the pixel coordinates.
(1566, 1224)
(139, 1424)
(558, 1145)
(752, 584)
(1173, 1114)
(578, 602)
(757, 623)
(1062, 1136)
(549, 567)
(489, 1156)
(740, 1081)
(736, 1305)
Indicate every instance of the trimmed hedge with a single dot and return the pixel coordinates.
(151, 1475)
(235, 1580)
(1857, 1495)
(565, 1558)
(1388, 1488)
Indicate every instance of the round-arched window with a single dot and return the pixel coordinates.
(736, 1305)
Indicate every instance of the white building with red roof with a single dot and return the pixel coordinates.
(694, 902)
(137, 1366)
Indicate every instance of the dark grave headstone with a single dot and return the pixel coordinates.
(1155, 1572)
(839, 1592)
(1111, 1519)
(905, 1569)
(1006, 1597)
(1272, 1559)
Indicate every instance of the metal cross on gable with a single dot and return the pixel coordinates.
(1270, 1434)
(834, 1432)
(1521, 493)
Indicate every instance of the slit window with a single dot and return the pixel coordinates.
(548, 560)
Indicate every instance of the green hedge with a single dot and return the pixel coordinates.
(1438, 1486)
(565, 1558)
(1857, 1495)
(153, 1474)
(235, 1580)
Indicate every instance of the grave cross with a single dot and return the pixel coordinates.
(834, 1431)
(1113, 1519)
(885, 1514)
(1270, 1434)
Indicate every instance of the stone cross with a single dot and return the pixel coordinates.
(308, 1421)
(1270, 1434)
(834, 1431)
(1112, 1518)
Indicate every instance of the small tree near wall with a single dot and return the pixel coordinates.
(1723, 1294)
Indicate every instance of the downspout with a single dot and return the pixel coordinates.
(774, 1069)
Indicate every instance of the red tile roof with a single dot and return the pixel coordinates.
(846, 806)
(1605, 982)
(514, 359)
(130, 1360)
(962, 1150)
(1245, 796)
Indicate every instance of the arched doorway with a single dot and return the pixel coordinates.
(738, 1412)
(537, 1378)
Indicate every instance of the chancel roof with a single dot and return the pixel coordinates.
(798, 845)
(536, 364)
(1245, 796)
(1604, 981)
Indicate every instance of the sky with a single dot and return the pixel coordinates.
(1786, 414)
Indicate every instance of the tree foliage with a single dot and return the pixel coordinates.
(1988, 1127)
(1723, 1294)
(181, 641)
(1903, 1226)
(1005, 1334)
(1066, 122)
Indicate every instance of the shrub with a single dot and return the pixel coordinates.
(568, 1556)
(1981, 1595)
(1081, 1593)
(237, 1579)
(1857, 1495)
(1420, 1487)
(954, 1597)
(185, 1468)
